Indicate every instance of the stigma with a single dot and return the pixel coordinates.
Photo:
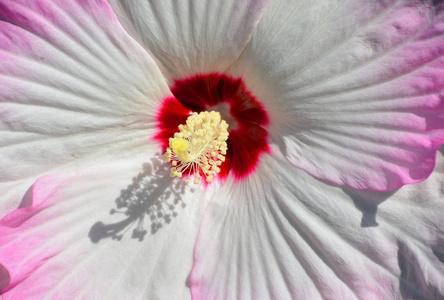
(199, 148)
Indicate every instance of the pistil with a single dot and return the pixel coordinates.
(199, 148)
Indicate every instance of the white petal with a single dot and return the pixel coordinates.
(283, 234)
(354, 88)
(74, 85)
(189, 37)
(68, 245)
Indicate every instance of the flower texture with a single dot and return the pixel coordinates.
(329, 186)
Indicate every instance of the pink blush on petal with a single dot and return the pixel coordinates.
(16, 240)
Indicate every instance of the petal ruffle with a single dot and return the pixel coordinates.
(283, 234)
(67, 244)
(74, 85)
(190, 37)
(354, 89)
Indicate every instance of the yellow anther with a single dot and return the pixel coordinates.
(199, 147)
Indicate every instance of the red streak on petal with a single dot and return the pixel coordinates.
(171, 114)
(197, 92)
(202, 92)
(245, 145)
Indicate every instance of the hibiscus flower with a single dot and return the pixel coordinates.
(326, 190)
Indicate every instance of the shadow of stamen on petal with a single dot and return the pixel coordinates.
(152, 197)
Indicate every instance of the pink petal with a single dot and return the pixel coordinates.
(68, 245)
(74, 87)
(189, 37)
(354, 88)
(286, 235)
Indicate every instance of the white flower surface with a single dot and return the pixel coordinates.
(346, 203)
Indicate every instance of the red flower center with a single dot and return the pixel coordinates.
(238, 107)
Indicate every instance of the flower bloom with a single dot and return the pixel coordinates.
(335, 117)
